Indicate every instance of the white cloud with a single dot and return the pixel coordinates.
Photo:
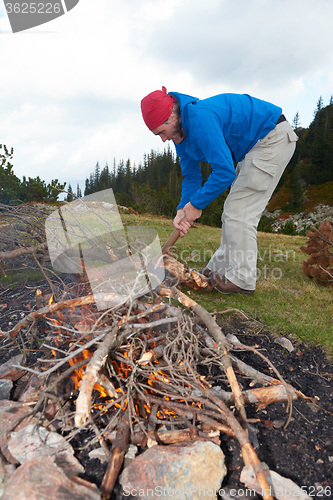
(71, 89)
(42, 154)
(114, 137)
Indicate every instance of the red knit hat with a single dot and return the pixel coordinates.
(156, 108)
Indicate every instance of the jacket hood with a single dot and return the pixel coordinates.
(183, 99)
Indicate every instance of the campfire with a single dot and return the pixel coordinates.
(151, 370)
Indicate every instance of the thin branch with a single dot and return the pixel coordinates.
(64, 360)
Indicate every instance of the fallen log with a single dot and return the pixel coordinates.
(165, 437)
(162, 437)
(251, 372)
(190, 277)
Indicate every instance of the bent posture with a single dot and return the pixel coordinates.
(225, 130)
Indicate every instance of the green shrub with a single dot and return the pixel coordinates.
(265, 224)
(288, 228)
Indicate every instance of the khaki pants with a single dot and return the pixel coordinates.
(257, 177)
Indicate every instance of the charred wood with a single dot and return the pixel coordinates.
(118, 451)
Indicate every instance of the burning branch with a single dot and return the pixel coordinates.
(152, 355)
(90, 378)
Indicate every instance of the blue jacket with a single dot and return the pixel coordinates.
(219, 130)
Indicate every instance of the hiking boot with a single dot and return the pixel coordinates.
(223, 285)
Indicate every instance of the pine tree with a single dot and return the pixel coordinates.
(87, 188)
(9, 183)
(119, 185)
(128, 177)
(97, 174)
(70, 196)
(78, 191)
(296, 122)
(105, 179)
(319, 107)
(54, 188)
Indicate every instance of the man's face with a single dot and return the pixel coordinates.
(168, 130)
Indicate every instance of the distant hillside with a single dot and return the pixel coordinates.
(308, 179)
(311, 197)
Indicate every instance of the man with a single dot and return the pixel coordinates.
(225, 130)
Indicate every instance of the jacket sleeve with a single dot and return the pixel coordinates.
(192, 178)
(207, 133)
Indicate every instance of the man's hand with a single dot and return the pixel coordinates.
(185, 218)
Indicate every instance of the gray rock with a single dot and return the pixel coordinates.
(6, 471)
(280, 487)
(5, 388)
(10, 413)
(303, 221)
(189, 470)
(8, 371)
(31, 442)
(285, 343)
(40, 479)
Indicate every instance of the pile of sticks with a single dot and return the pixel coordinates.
(153, 360)
(150, 356)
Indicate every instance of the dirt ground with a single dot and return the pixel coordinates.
(303, 451)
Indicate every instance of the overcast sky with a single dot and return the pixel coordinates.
(71, 88)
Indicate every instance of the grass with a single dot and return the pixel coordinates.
(15, 279)
(286, 301)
